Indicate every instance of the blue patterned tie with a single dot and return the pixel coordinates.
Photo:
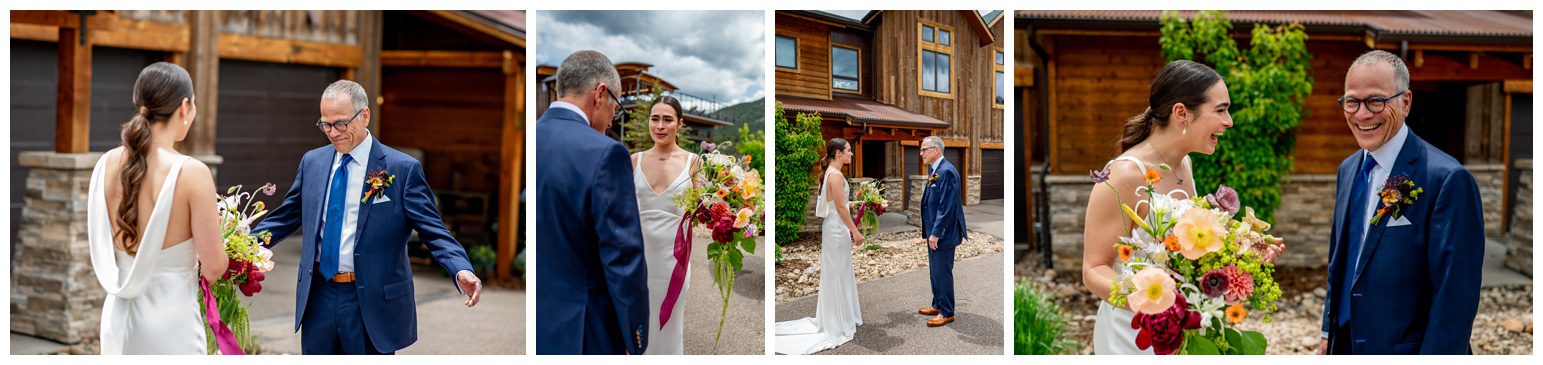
(1356, 220)
(332, 232)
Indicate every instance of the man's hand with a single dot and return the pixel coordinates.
(470, 286)
(1323, 347)
(932, 241)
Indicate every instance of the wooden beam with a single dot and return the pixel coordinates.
(480, 27)
(512, 166)
(993, 145)
(368, 72)
(275, 50)
(1518, 87)
(472, 59)
(72, 123)
(52, 18)
(109, 30)
(203, 64)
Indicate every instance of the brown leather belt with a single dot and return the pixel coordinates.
(343, 278)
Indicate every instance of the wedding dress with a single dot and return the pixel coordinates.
(152, 297)
(837, 313)
(660, 218)
(1112, 333)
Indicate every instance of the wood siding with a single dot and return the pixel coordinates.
(812, 77)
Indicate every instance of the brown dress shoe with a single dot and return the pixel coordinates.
(939, 320)
(929, 311)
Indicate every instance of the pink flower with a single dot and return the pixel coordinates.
(1164, 332)
(1199, 233)
(1214, 283)
(1240, 285)
(1154, 291)
(1225, 199)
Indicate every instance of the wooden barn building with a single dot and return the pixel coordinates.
(447, 87)
(1080, 74)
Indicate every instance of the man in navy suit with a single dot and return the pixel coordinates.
(1403, 276)
(942, 228)
(591, 279)
(355, 290)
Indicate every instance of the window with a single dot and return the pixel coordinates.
(787, 52)
(1001, 66)
(845, 68)
(936, 60)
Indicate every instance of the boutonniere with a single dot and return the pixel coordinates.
(1397, 193)
(933, 178)
(377, 181)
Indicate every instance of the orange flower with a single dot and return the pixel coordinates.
(722, 193)
(1153, 176)
(1171, 243)
(1125, 252)
(1236, 313)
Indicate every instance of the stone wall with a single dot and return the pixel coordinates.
(892, 193)
(972, 190)
(913, 212)
(54, 292)
(1519, 257)
(1491, 181)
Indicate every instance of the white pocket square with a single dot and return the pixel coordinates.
(383, 199)
(1401, 221)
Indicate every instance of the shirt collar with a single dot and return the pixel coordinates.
(1387, 155)
(937, 163)
(566, 105)
(361, 153)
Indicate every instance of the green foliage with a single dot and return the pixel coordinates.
(751, 113)
(1268, 83)
(483, 259)
(753, 145)
(798, 147)
(1039, 328)
(635, 128)
(232, 313)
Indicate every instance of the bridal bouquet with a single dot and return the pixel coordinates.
(727, 198)
(867, 205)
(1193, 269)
(249, 261)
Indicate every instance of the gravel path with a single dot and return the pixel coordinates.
(798, 274)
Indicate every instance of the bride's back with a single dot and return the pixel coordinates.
(158, 164)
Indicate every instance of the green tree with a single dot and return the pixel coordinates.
(635, 128)
(797, 149)
(1269, 84)
(753, 145)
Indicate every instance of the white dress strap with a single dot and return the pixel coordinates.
(823, 205)
(100, 234)
(1140, 165)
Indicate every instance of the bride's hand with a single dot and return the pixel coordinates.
(857, 237)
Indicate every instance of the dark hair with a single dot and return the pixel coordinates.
(831, 147)
(158, 93)
(672, 102)
(1180, 81)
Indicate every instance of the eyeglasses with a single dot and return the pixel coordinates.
(1373, 104)
(925, 149)
(617, 115)
(339, 126)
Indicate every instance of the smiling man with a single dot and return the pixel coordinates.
(1408, 241)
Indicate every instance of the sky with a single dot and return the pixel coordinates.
(709, 54)
(858, 14)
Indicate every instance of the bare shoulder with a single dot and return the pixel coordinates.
(196, 175)
(1124, 173)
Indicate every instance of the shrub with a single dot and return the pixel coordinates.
(1038, 325)
(798, 147)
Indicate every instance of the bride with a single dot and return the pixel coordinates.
(837, 313)
(153, 225)
(660, 173)
(1186, 112)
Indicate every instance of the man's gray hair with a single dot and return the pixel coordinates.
(583, 70)
(1400, 71)
(933, 141)
(347, 89)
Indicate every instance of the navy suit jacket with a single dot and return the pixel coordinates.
(383, 274)
(592, 281)
(1416, 288)
(942, 212)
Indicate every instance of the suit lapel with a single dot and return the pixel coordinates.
(315, 200)
(1410, 153)
(376, 154)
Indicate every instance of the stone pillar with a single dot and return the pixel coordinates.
(54, 292)
(894, 192)
(1519, 255)
(972, 190)
(1491, 181)
(917, 184)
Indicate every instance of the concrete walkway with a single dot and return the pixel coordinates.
(744, 331)
(1495, 273)
(987, 217)
(892, 326)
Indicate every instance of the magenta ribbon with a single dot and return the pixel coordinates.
(858, 220)
(222, 335)
(682, 261)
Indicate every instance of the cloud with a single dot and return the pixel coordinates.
(710, 54)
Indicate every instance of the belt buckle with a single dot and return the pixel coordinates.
(342, 278)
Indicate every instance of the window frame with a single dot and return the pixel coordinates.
(924, 46)
(833, 78)
(1000, 68)
(795, 52)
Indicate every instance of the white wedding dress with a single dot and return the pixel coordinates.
(660, 217)
(837, 313)
(152, 297)
(1112, 334)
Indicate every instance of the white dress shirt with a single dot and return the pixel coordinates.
(1386, 156)
(355, 191)
(566, 105)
